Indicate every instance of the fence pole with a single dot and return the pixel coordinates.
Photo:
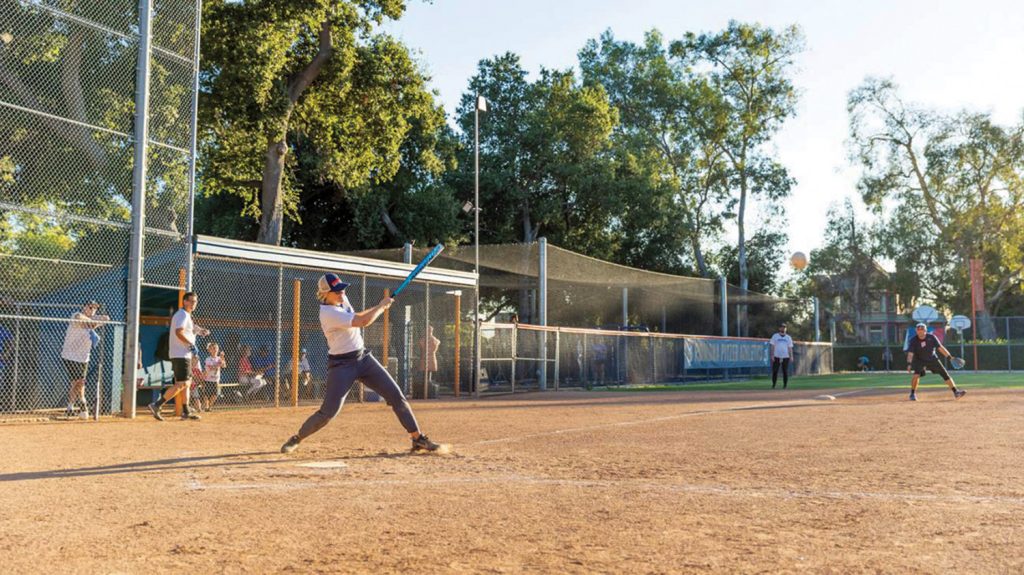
(296, 325)
(423, 354)
(515, 333)
(140, 136)
(178, 405)
(458, 341)
(386, 324)
(278, 367)
(542, 291)
(1009, 355)
(724, 305)
(557, 356)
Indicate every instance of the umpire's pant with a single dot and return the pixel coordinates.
(784, 362)
(341, 374)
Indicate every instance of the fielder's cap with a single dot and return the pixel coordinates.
(331, 282)
(920, 325)
(303, 350)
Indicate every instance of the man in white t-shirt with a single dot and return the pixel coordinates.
(782, 351)
(78, 342)
(348, 360)
(182, 346)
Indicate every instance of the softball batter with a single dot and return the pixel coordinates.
(349, 361)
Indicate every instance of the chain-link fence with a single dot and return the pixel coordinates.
(259, 304)
(70, 138)
(520, 357)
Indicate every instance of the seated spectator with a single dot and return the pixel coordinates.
(263, 369)
(246, 375)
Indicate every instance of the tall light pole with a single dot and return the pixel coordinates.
(481, 106)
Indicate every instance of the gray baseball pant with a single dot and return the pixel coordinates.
(341, 374)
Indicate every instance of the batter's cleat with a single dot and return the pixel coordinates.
(423, 443)
(913, 396)
(959, 393)
(188, 415)
(291, 445)
(155, 411)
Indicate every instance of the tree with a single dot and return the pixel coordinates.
(955, 186)
(747, 67)
(278, 70)
(543, 155)
(843, 273)
(668, 119)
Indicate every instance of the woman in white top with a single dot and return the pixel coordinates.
(349, 361)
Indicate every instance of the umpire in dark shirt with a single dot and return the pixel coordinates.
(921, 356)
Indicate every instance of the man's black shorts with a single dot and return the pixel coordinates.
(919, 366)
(181, 369)
(75, 370)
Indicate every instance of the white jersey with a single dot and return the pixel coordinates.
(336, 321)
(179, 349)
(212, 365)
(77, 343)
(304, 363)
(780, 345)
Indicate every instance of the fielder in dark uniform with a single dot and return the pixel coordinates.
(921, 356)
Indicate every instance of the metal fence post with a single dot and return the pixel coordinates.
(557, 349)
(296, 326)
(137, 249)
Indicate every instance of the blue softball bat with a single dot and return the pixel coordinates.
(416, 271)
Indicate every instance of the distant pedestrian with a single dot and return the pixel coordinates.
(782, 352)
(76, 352)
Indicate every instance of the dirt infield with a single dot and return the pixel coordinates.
(569, 482)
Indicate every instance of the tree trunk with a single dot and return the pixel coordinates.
(271, 202)
(270, 196)
(389, 224)
(698, 255)
(744, 327)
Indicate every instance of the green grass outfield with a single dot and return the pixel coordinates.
(965, 379)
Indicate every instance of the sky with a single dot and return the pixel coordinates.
(944, 55)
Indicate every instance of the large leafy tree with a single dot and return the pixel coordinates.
(745, 70)
(543, 155)
(277, 71)
(951, 189)
(665, 143)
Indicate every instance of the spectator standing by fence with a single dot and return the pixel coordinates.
(76, 352)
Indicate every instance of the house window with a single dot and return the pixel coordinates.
(875, 334)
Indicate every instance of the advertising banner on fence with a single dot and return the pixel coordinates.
(725, 353)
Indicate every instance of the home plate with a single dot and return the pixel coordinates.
(826, 397)
(324, 464)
